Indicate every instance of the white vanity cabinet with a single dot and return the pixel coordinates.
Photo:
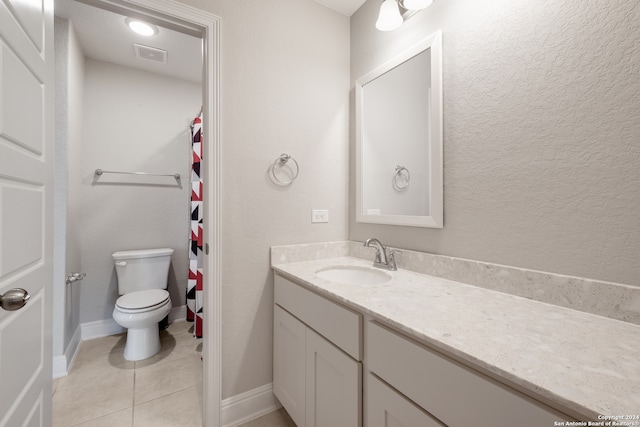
(336, 367)
(317, 373)
(388, 408)
(448, 391)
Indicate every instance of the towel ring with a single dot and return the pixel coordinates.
(281, 161)
(401, 180)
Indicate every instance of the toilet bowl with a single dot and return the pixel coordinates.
(144, 301)
(140, 313)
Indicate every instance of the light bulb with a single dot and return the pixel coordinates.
(141, 28)
(416, 4)
(389, 18)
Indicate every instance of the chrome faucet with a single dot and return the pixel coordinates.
(383, 260)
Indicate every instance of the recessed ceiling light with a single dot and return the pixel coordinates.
(141, 28)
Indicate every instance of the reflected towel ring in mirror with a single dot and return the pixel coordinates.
(280, 163)
(407, 91)
(401, 178)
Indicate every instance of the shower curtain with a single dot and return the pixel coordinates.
(195, 284)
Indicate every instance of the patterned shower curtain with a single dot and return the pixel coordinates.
(195, 283)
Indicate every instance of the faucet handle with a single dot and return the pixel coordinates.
(378, 258)
(391, 259)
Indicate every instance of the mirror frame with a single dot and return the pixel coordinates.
(435, 219)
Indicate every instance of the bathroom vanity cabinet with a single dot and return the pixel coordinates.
(442, 391)
(317, 365)
(322, 349)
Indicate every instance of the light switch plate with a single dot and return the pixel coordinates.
(319, 215)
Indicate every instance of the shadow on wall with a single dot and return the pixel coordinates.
(112, 293)
(176, 292)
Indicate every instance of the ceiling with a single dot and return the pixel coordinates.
(104, 36)
(345, 7)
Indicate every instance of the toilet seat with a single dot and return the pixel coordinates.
(142, 301)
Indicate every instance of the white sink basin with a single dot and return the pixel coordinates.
(350, 275)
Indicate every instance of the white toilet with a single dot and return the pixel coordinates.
(142, 282)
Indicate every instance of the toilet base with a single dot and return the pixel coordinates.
(142, 343)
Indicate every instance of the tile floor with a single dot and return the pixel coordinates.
(103, 389)
(278, 418)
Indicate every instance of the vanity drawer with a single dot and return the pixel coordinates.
(388, 408)
(444, 387)
(336, 323)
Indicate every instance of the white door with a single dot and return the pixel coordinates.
(333, 385)
(26, 218)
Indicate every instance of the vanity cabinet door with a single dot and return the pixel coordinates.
(334, 379)
(289, 349)
(388, 408)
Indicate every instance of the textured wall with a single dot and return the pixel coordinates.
(285, 89)
(61, 29)
(69, 94)
(75, 110)
(542, 132)
(133, 121)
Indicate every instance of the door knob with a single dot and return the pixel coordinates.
(14, 299)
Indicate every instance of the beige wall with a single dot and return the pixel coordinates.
(285, 89)
(69, 94)
(133, 121)
(542, 132)
(539, 142)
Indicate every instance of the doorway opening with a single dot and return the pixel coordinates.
(195, 23)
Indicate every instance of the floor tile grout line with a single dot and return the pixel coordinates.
(165, 395)
(168, 361)
(101, 416)
(133, 392)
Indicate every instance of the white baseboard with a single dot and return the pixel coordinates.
(178, 313)
(59, 366)
(244, 407)
(73, 347)
(99, 329)
(106, 327)
(62, 364)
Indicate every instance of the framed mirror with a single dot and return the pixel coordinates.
(399, 139)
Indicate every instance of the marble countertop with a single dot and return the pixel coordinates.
(587, 364)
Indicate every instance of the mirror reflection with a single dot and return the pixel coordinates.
(399, 139)
(395, 139)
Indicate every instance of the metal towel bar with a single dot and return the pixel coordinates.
(175, 175)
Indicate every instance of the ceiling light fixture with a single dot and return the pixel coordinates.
(394, 12)
(141, 28)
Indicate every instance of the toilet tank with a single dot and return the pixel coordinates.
(142, 269)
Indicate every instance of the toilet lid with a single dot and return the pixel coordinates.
(142, 299)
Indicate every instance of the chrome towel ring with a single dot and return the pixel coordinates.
(279, 163)
(401, 178)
